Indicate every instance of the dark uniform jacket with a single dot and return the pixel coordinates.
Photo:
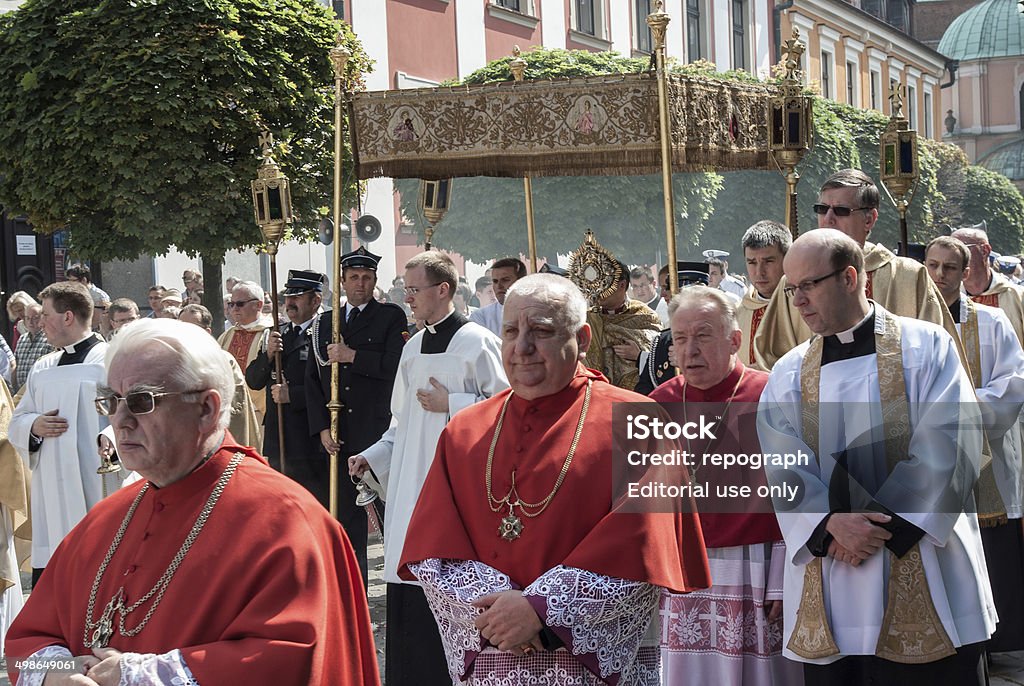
(260, 374)
(658, 369)
(377, 335)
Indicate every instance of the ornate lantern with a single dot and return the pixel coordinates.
(434, 200)
(898, 162)
(272, 208)
(791, 121)
(271, 197)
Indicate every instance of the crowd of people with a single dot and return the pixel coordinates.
(177, 505)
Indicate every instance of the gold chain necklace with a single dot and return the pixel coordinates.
(103, 629)
(511, 526)
(721, 420)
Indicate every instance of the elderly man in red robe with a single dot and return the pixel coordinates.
(531, 568)
(213, 569)
(730, 633)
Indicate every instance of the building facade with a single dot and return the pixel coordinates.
(855, 51)
(985, 107)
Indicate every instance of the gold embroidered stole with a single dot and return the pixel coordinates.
(991, 509)
(911, 631)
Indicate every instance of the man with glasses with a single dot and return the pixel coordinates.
(848, 202)
(122, 311)
(449, 365)
(156, 300)
(54, 427)
(372, 337)
(885, 578)
(212, 569)
(244, 338)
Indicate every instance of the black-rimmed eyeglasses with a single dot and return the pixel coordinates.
(809, 285)
(241, 303)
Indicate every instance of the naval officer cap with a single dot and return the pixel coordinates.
(715, 255)
(302, 281)
(360, 258)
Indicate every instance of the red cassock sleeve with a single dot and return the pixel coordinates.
(270, 592)
(580, 527)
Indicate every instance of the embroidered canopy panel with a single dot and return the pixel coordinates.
(596, 126)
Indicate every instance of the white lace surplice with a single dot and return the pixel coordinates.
(602, 621)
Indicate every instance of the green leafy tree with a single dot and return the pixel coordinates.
(135, 125)
(488, 215)
(992, 197)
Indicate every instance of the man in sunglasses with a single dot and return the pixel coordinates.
(54, 426)
(885, 578)
(848, 202)
(212, 569)
(244, 338)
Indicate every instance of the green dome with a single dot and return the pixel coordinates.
(1007, 159)
(995, 28)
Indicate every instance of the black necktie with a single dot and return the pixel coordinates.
(352, 315)
(291, 335)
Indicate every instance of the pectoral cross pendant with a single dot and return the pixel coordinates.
(511, 526)
(105, 627)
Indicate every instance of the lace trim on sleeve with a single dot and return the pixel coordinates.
(149, 669)
(451, 586)
(603, 618)
(34, 676)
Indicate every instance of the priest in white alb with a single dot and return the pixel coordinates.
(55, 424)
(996, 363)
(885, 581)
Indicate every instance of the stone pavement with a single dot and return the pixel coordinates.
(1007, 668)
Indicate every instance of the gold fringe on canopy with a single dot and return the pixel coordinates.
(595, 126)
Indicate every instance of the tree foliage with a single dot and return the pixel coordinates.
(135, 125)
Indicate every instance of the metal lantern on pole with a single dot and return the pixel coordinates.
(898, 162)
(791, 122)
(435, 197)
(272, 209)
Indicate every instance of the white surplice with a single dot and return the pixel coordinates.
(65, 484)
(939, 395)
(471, 370)
(1001, 396)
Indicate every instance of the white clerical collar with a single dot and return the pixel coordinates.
(432, 328)
(70, 349)
(846, 337)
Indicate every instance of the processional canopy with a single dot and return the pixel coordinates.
(595, 126)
